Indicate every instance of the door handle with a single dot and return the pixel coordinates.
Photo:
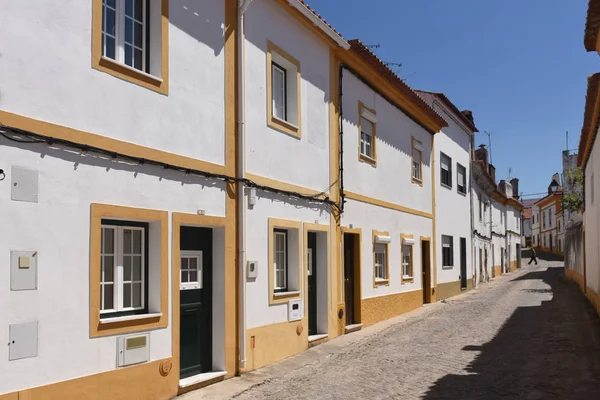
(190, 310)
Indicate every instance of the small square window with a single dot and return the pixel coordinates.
(380, 262)
(407, 268)
(417, 161)
(283, 97)
(447, 251)
(367, 134)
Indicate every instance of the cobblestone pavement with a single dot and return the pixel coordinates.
(530, 335)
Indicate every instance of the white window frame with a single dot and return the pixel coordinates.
(449, 170)
(276, 268)
(118, 272)
(380, 261)
(276, 68)
(464, 175)
(198, 283)
(119, 34)
(364, 144)
(407, 264)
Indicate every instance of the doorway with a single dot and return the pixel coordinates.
(426, 270)
(352, 290)
(518, 256)
(463, 263)
(196, 261)
(311, 265)
(480, 265)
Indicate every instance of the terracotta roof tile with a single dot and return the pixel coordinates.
(590, 128)
(592, 25)
(451, 105)
(312, 10)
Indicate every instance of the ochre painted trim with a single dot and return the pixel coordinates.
(264, 181)
(419, 182)
(290, 225)
(143, 381)
(497, 270)
(105, 143)
(179, 219)
(594, 298)
(412, 262)
(385, 204)
(381, 308)
(434, 294)
(314, 228)
(277, 123)
(362, 157)
(451, 289)
(385, 282)
(357, 275)
(157, 84)
(99, 211)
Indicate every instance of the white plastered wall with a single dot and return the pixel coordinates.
(591, 218)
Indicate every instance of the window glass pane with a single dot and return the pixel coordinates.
(109, 268)
(278, 90)
(108, 239)
(128, 31)
(137, 268)
(109, 49)
(139, 35)
(193, 263)
(129, 55)
(137, 294)
(108, 297)
(109, 21)
(139, 10)
(129, 8)
(127, 268)
(137, 242)
(127, 241)
(184, 263)
(366, 126)
(184, 276)
(193, 276)
(138, 59)
(110, 3)
(127, 295)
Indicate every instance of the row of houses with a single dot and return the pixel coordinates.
(583, 252)
(194, 190)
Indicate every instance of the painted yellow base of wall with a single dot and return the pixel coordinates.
(576, 277)
(513, 266)
(497, 270)
(594, 298)
(272, 343)
(451, 289)
(377, 309)
(138, 382)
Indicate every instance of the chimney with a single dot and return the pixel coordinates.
(481, 154)
(515, 187)
(492, 171)
(502, 187)
(468, 114)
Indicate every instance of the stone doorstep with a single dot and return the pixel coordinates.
(235, 386)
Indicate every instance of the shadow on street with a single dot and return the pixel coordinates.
(548, 351)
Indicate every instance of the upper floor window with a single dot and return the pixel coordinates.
(367, 130)
(125, 27)
(381, 262)
(461, 179)
(281, 260)
(446, 170)
(283, 88)
(417, 162)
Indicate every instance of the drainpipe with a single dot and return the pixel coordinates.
(241, 133)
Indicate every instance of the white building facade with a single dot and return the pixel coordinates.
(453, 200)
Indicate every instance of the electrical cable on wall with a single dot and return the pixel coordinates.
(27, 137)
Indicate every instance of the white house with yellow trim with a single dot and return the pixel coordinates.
(453, 200)
(388, 233)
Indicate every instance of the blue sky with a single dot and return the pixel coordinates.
(519, 65)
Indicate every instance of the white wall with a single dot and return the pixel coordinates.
(46, 74)
(58, 227)
(368, 218)
(391, 180)
(591, 218)
(304, 161)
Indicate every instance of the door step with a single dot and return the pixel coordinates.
(201, 378)
(353, 328)
(315, 340)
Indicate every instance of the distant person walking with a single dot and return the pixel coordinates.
(533, 256)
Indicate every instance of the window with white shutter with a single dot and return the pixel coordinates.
(445, 170)
(461, 179)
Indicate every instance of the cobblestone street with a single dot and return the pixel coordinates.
(529, 335)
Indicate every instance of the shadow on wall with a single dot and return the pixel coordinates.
(202, 20)
(541, 352)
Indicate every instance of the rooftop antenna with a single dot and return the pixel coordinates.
(489, 134)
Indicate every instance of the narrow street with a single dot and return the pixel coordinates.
(527, 335)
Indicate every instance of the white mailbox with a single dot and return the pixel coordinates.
(133, 349)
(252, 270)
(295, 310)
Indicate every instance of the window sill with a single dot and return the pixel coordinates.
(129, 318)
(408, 279)
(286, 294)
(367, 159)
(381, 282)
(446, 186)
(417, 181)
(284, 126)
(447, 267)
(131, 74)
(283, 297)
(462, 193)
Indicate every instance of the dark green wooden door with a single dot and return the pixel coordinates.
(196, 301)
(312, 283)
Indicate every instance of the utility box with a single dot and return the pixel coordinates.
(22, 340)
(252, 270)
(23, 270)
(295, 310)
(133, 349)
(24, 184)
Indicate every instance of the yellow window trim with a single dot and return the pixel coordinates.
(413, 149)
(385, 282)
(274, 223)
(98, 212)
(104, 64)
(361, 157)
(272, 121)
(412, 271)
